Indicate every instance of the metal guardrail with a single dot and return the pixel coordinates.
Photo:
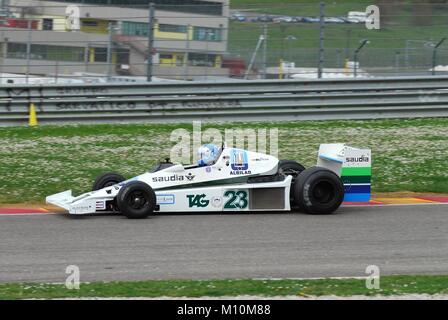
(233, 101)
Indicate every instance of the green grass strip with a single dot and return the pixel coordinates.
(389, 285)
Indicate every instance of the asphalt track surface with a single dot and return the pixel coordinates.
(398, 239)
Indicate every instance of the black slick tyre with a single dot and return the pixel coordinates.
(136, 200)
(107, 180)
(318, 190)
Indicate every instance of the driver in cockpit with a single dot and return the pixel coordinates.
(208, 154)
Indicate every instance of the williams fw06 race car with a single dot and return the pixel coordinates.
(231, 180)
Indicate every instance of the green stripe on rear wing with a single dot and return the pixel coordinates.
(353, 165)
(356, 171)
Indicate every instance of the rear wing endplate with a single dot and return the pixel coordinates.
(353, 165)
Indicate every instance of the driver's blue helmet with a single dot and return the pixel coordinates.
(208, 154)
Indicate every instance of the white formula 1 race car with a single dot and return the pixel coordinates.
(238, 180)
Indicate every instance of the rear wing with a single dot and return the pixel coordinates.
(353, 165)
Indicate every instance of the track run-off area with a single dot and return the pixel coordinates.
(399, 238)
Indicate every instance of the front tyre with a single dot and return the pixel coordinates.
(318, 191)
(107, 180)
(136, 200)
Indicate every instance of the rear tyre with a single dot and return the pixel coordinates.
(290, 168)
(136, 200)
(107, 180)
(318, 191)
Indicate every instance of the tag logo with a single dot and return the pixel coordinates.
(197, 200)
